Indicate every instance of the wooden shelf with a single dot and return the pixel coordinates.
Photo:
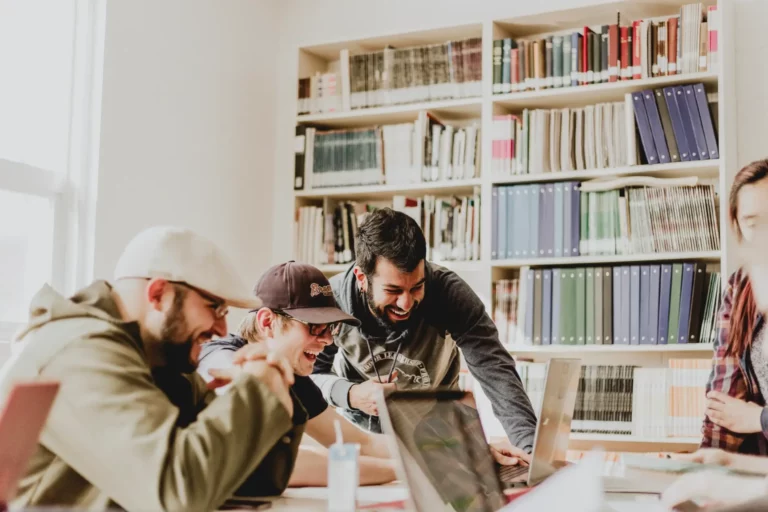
(634, 439)
(387, 191)
(701, 168)
(329, 51)
(609, 349)
(616, 259)
(583, 95)
(462, 266)
(333, 268)
(625, 443)
(464, 108)
(456, 266)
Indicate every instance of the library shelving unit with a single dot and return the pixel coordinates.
(483, 273)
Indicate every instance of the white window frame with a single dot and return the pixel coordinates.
(72, 191)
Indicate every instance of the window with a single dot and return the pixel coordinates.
(51, 54)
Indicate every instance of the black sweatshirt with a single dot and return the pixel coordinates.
(428, 357)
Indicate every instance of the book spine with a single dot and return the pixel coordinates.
(614, 65)
(644, 127)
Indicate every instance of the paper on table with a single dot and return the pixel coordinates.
(576, 488)
(631, 460)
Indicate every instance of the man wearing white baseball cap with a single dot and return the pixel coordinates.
(133, 425)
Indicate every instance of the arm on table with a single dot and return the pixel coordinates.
(737, 461)
(110, 405)
(321, 429)
(311, 469)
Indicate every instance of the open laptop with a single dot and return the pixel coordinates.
(22, 418)
(441, 449)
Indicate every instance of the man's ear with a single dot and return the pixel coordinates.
(156, 290)
(265, 319)
(362, 279)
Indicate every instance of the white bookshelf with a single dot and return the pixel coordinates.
(699, 168)
(455, 109)
(596, 93)
(619, 350)
(712, 256)
(483, 273)
(387, 191)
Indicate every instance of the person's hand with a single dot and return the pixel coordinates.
(252, 352)
(714, 456)
(363, 396)
(507, 454)
(269, 368)
(712, 488)
(734, 414)
(263, 352)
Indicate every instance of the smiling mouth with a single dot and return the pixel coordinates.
(311, 355)
(399, 315)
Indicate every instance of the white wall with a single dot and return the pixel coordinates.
(187, 125)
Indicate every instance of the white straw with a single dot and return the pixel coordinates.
(337, 427)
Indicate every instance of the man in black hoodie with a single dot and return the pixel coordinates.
(415, 317)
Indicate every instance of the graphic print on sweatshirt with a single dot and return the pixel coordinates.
(411, 373)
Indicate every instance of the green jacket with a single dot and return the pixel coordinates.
(119, 436)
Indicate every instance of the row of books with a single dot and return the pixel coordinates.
(569, 139)
(652, 400)
(322, 238)
(673, 124)
(650, 304)
(622, 399)
(451, 227)
(392, 76)
(426, 150)
(566, 219)
(685, 43)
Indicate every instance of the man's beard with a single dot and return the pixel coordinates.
(177, 351)
(380, 313)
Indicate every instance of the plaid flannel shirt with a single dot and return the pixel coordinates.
(734, 376)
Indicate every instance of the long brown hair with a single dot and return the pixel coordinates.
(744, 310)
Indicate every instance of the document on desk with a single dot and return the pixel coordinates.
(676, 466)
(576, 488)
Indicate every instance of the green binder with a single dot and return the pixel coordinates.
(674, 303)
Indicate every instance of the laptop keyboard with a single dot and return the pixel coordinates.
(510, 473)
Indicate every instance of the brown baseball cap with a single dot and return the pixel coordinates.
(301, 291)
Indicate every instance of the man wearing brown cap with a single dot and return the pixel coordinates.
(298, 319)
(133, 426)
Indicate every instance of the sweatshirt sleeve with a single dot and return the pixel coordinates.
(490, 364)
(117, 429)
(335, 389)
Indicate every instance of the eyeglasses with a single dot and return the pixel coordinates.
(315, 329)
(219, 307)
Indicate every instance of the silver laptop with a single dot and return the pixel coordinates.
(441, 450)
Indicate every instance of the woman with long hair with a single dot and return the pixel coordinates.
(736, 417)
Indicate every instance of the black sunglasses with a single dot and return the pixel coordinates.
(314, 329)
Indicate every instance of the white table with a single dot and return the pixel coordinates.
(314, 499)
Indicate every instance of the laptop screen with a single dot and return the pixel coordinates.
(444, 452)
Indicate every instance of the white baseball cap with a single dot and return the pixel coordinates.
(179, 254)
